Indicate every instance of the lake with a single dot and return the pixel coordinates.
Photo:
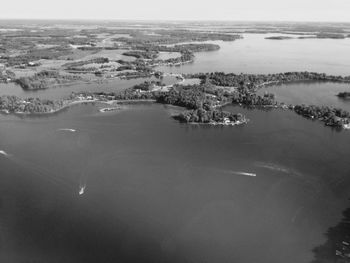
(160, 191)
(310, 93)
(255, 54)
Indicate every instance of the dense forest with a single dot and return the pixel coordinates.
(330, 116)
(254, 80)
(344, 95)
(44, 80)
(213, 116)
(32, 105)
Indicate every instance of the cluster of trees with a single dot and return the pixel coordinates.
(125, 67)
(77, 64)
(132, 94)
(44, 80)
(254, 80)
(135, 74)
(148, 85)
(138, 65)
(31, 105)
(194, 47)
(330, 116)
(330, 35)
(252, 99)
(209, 116)
(278, 37)
(201, 105)
(191, 97)
(36, 54)
(186, 57)
(150, 51)
(6, 74)
(141, 54)
(198, 47)
(163, 37)
(344, 95)
(207, 97)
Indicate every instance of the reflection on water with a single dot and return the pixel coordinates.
(337, 246)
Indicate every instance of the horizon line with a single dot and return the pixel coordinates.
(171, 20)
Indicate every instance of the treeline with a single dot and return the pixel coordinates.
(254, 80)
(186, 57)
(127, 94)
(334, 117)
(13, 104)
(330, 35)
(6, 75)
(37, 54)
(209, 116)
(201, 47)
(252, 99)
(344, 95)
(73, 65)
(165, 37)
(44, 80)
(151, 51)
(190, 97)
(147, 85)
(194, 47)
(140, 68)
(141, 54)
(147, 51)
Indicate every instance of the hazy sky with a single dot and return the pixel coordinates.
(266, 10)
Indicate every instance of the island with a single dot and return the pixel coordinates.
(344, 95)
(279, 37)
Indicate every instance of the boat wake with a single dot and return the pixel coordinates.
(4, 153)
(273, 167)
(69, 130)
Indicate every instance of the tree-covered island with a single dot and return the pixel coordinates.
(344, 95)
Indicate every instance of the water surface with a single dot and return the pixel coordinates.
(310, 93)
(255, 54)
(159, 191)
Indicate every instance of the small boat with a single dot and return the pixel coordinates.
(247, 174)
(82, 189)
(243, 173)
(109, 109)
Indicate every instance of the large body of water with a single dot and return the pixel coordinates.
(160, 191)
(255, 54)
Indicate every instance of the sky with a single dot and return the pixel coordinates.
(235, 10)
